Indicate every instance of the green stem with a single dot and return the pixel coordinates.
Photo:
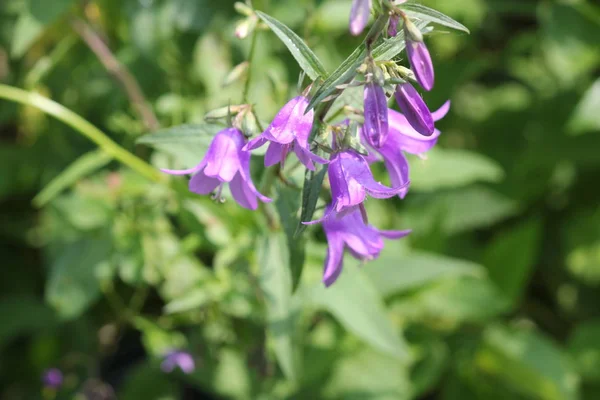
(250, 57)
(84, 127)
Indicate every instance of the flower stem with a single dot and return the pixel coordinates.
(83, 126)
(250, 58)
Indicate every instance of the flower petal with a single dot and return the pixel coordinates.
(245, 175)
(334, 261)
(222, 158)
(202, 184)
(441, 112)
(242, 193)
(255, 143)
(395, 234)
(273, 154)
(398, 170)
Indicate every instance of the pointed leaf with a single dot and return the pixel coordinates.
(307, 60)
(313, 180)
(416, 10)
(287, 204)
(187, 143)
(276, 283)
(354, 301)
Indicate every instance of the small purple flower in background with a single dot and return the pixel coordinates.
(225, 162)
(351, 180)
(403, 138)
(177, 358)
(289, 131)
(420, 63)
(359, 16)
(414, 109)
(350, 231)
(375, 127)
(52, 378)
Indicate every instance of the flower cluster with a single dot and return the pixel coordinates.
(385, 134)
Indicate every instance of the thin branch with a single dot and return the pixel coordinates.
(118, 71)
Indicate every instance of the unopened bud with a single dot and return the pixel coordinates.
(250, 124)
(245, 27)
(237, 73)
(243, 9)
(412, 32)
(224, 112)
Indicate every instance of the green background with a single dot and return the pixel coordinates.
(493, 296)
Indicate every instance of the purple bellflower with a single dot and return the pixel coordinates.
(225, 162)
(350, 231)
(351, 180)
(359, 16)
(414, 109)
(420, 62)
(393, 25)
(403, 138)
(177, 358)
(289, 131)
(375, 127)
(52, 378)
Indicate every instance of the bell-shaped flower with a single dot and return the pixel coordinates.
(52, 378)
(225, 162)
(359, 16)
(351, 232)
(414, 109)
(350, 179)
(403, 138)
(289, 131)
(375, 127)
(393, 25)
(178, 359)
(420, 63)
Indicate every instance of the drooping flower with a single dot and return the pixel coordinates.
(350, 231)
(359, 16)
(289, 131)
(351, 180)
(225, 162)
(376, 115)
(414, 109)
(403, 138)
(178, 358)
(52, 378)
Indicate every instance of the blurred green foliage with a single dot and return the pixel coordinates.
(493, 296)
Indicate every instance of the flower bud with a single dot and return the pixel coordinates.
(237, 73)
(411, 31)
(359, 16)
(245, 27)
(376, 114)
(243, 9)
(414, 109)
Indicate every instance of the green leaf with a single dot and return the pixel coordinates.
(386, 50)
(73, 283)
(585, 117)
(187, 143)
(511, 257)
(392, 274)
(276, 283)
(313, 182)
(584, 347)
(529, 362)
(419, 11)
(307, 60)
(450, 168)
(354, 301)
(23, 315)
(83, 166)
(368, 375)
(453, 301)
(147, 381)
(288, 204)
(158, 341)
